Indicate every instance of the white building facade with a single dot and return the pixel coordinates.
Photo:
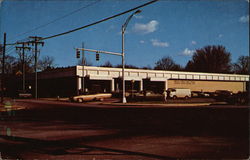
(166, 79)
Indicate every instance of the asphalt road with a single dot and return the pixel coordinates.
(59, 130)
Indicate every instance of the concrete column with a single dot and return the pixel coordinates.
(141, 85)
(77, 85)
(166, 85)
(112, 85)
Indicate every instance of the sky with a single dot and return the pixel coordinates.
(174, 28)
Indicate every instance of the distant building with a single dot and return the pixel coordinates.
(73, 80)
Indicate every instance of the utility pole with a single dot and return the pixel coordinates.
(36, 41)
(23, 48)
(3, 67)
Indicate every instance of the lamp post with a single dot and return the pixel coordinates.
(124, 26)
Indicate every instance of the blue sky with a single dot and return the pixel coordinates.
(166, 28)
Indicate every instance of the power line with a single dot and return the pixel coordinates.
(105, 19)
(10, 48)
(10, 53)
(57, 19)
(97, 22)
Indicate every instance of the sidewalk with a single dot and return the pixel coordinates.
(159, 105)
(117, 102)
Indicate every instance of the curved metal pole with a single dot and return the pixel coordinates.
(123, 55)
(123, 68)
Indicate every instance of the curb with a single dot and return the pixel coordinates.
(162, 105)
(138, 104)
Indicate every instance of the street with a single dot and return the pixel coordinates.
(63, 130)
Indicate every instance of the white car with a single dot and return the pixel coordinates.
(91, 97)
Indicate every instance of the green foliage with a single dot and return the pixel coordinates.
(213, 59)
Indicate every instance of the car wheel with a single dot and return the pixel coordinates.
(174, 97)
(186, 97)
(79, 100)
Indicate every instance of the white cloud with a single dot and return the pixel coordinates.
(111, 27)
(193, 42)
(157, 43)
(220, 35)
(244, 19)
(138, 16)
(146, 28)
(188, 52)
(142, 41)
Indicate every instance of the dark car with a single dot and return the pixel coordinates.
(241, 98)
(200, 94)
(222, 94)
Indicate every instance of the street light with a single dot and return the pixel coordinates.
(124, 26)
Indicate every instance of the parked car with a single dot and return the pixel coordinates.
(179, 93)
(24, 94)
(91, 97)
(207, 94)
(241, 98)
(222, 94)
(132, 93)
(195, 94)
(152, 94)
(200, 94)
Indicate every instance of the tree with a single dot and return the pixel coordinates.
(107, 64)
(147, 67)
(47, 62)
(9, 63)
(17, 67)
(167, 63)
(210, 59)
(127, 66)
(242, 65)
(28, 62)
(86, 62)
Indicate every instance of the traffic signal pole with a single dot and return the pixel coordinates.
(118, 54)
(112, 53)
(98, 51)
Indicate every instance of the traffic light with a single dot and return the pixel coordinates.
(77, 53)
(97, 57)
